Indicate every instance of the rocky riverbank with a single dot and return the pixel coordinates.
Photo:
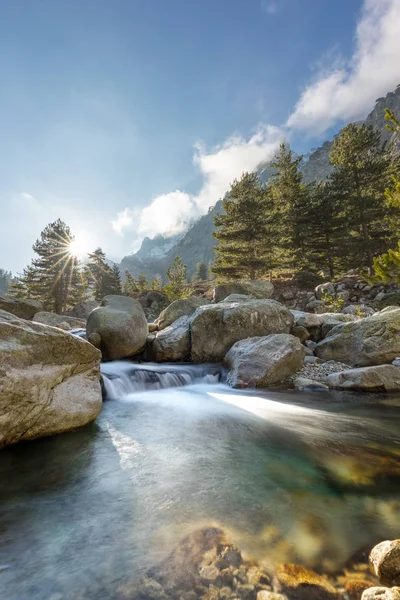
(206, 565)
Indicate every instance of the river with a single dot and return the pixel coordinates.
(291, 476)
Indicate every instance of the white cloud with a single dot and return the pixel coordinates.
(169, 214)
(348, 92)
(28, 202)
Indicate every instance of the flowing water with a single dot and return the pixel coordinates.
(289, 476)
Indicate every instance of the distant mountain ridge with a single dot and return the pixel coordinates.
(156, 255)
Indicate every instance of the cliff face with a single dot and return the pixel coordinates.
(156, 255)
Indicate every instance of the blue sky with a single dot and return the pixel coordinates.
(128, 118)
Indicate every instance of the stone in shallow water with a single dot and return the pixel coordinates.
(381, 593)
(384, 561)
(299, 583)
(355, 587)
(382, 378)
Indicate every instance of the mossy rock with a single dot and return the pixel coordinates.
(299, 583)
(389, 300)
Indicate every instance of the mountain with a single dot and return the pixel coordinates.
(156, 255)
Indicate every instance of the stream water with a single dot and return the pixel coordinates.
(289, 476)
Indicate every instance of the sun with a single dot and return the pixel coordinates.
(81, 245)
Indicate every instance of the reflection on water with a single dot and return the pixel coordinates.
(289, 477)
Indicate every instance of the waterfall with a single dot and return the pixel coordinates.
(121, 378)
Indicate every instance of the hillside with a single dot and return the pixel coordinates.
(155, 256)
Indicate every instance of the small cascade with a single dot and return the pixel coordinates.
(121, 378)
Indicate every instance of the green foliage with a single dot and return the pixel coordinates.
(142, 283)
(246, 233)
(101, 278)
(202, 272)
(177, 287)
(157, 283)
(387, 267)
(307, 280)
(130, 287)
(358, 184)
(330, 303)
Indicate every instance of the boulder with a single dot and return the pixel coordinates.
(330, 320)
(309, 385)
(83, 309)
(179, 308)
(381, 593)
(306, 319)
(239, 298)
(118, 327)
(258, 289)
(262, 361)
(24, 309)
(324, 288)
(382, 378)
(216, 327)
(172, 343)
(49, 380)
(360, 310)
(153, 302)
(299, 583)
(384, 561)
(54, 320)
(374, 340)
(300, 332)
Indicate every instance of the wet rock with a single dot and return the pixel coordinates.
(374, 340)
(383, 378)
(262, 361)
(309, 385)
(179, 308)
(209, 574)
(24, 309)
(355, 587)
(172, 343)
(146, 589)
(299, 583)
(246, 591)
(229, 556)
(258, 289)
(215, 328)
(265, 595)
(121, 324)
(384, 561)
(49, 380)
(381, 593)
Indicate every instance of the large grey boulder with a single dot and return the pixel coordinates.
(54, 320)
(118, 327)
(49, 380)
(83, 309)
(384, 561)
(173, 343)
(258, 289)
(374, 340)
(24, 309)
(382, 378)
(179, 308)
(215, 328)
(324, 288)
(262, 361)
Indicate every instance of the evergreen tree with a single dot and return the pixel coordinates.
(142, 283)
(245, 233)
(325, 232)
(290, 198)
(131, 287)
(102, 279)
(177, 287)
(387, 267)
(201, 273)
(359, 181)
(54, 276)
(157, 283)
(5, 280)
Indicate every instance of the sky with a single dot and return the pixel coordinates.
(129, 118)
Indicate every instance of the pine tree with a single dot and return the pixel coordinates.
(325, 239)
(177, 287)
(103, 280)
(290, 197)
(201, 273)
(5, 281)
(387, 267)
(130, 287)
(157, 283)
(142, 283)
(245, 233)
(359, 181)
(54, 276)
